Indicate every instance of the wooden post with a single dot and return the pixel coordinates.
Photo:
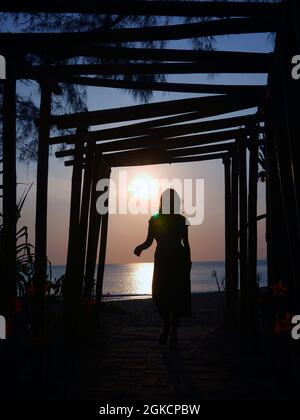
(228, 236)
(8, 265)
(234, 265)
(71, 296)
(84, 216)
(270, 256)
(252, 297)
(41, 210)
(288, 92)
(282, 156)
(243, 219)
(93, 234)
(293, 95)
(279, 264)
(102, 251)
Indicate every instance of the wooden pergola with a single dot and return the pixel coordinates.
(170, 132)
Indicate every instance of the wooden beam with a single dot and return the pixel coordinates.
(204, 127)
(170, 153)
(213, 148)
(161, 144)
(137, 154)
(9, 255)
(163, 55)
(55, 43)
(41, 211)
(176, 142)
(156, 128)
(200, 158)
(139, 8)
(128, 130)
(164, 87)
(260, 65)
(148, 160)
(211, 105)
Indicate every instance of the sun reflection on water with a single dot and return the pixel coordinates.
(142, 278)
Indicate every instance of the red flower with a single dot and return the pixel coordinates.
(279, 289)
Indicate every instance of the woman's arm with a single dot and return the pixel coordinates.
(145, 245)
(186, 243)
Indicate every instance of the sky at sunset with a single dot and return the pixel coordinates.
(127, 231)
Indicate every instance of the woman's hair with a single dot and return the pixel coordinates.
(170, 202)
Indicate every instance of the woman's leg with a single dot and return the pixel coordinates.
(175, 323)
(166, 329)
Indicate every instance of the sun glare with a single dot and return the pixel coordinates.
(143, 187)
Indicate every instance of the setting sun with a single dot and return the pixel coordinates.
(143, 186)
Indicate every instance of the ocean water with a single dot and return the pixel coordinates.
(134, 280)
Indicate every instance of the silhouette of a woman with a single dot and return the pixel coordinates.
(171, 286)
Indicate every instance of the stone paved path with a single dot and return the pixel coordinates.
(125, 361)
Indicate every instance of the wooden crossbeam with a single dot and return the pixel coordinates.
(149, 160)
(136, 8)
(173, 142)
(188, 141)
(164, 87)
(164, 127)
(168, 153)
(261, 65)
(172, 150)
(159, 145)
(137, 154)
(199, 150)
(200, 158)
(161, 132)
(164, 54)
(57, 42)
(212, 148)
(127, 130)
(212, 105)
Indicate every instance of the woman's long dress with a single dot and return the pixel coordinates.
(171, 286)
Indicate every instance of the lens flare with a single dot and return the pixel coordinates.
(143, 187)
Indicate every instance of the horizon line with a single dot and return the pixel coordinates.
(152, 262)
